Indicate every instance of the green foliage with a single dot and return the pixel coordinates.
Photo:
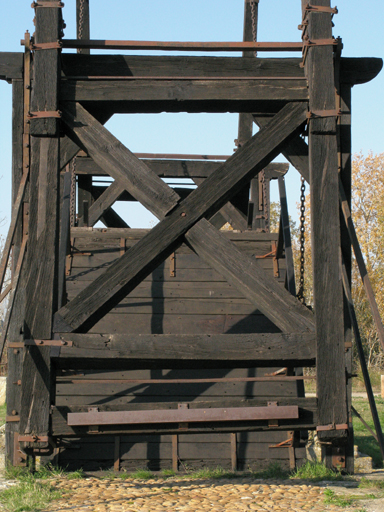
(3, 413)
(333, 499)
(168, 473)
(142, 474)
(365, 483)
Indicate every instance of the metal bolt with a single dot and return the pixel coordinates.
(183, 214)
(14, 413)
(15, 351)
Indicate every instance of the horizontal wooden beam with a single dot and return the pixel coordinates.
(126, 273)
(228, 93)
(276, 348)
(176, 168)
(183, 415)
(11, 66)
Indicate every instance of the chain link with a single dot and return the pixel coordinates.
(300, 294)
(72, 204)
(81, 24)
(254, 25)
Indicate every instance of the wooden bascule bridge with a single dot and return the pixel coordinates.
(182, 344)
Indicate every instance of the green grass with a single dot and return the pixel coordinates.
(365, 483)
(31, 493)
(316, 472)
(340, 500)
(363, 439)
(3, 413)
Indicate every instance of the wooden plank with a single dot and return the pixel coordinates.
(11, 66)
(118, 161)
(164, 237)
(323, 167)
(284, 310)
(355, 71)
(230, 347)
(225, 93)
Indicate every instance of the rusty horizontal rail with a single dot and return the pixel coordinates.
(270, 378)
(174, 77)
(209, 46)
(183, 415)
(174, 156)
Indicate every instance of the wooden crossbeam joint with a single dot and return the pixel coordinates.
(315, 114)
(332, 426)
(47, 46)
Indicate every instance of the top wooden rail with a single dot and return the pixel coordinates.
(183, 46)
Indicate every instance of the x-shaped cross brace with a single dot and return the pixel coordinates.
(182, 221)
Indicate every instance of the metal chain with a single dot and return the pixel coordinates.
(72, 204)
(300, 294)
(81, 23)
(254, 27)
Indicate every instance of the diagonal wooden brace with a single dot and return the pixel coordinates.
(126, 273)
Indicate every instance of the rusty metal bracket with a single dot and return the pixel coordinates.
(332, 426)
(172, 265)
(273, 422)
(19, 457)
(276, 271)
(321, 9)
(338, 457)
(12, 419)
(93, 428)
(288, 443)
(315, 114)
(58, 5)
(320, 42)
(33, 439)
(40, 343)
(47, 46)
(282, 371)
(42, 114)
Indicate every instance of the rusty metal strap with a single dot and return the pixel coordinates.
(321, 42)
(321, 9)
(58, 5)
(288, 443)
(43, 114)
(40, 343)
(314, 114)
(57, 45)
(33, 439)
(332, 426)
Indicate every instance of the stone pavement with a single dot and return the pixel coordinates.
(163, 495)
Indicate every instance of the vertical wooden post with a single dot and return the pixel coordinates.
(116, 460)
(15, 355)
(234, 452)
(328, 294)
(41, 288)
(345, 160)
(175, 453)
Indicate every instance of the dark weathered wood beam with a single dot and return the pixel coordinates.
(124, 275)
(267, 348)
(226, 93)
(176, 168)
(42, 262)
(325, 230)
(353, 70)
(11, 66)
(247, 276)
(118, 161)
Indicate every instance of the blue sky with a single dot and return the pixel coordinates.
(359, 24)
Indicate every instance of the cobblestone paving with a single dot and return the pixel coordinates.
(97, 495)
